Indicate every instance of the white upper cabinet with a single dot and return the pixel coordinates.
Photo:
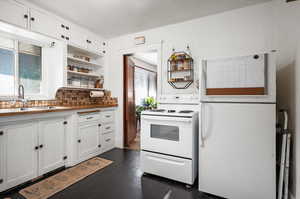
(77, 37)
(94, 44)
(44, 24)
(21, 148)
(51, 144)
(14, 13)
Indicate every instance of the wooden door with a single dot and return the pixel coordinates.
(52, 145)
(21, 148)
(130, 130)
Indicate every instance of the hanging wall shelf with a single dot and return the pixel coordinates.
(180, 70)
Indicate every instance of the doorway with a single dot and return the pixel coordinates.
(140, 91)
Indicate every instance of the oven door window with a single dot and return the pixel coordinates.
(164, 132)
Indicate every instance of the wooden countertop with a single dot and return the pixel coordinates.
(35, 110)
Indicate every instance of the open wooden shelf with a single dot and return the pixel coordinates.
(178, 71)
(82, 88)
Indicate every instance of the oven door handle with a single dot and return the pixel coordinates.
(162, 118)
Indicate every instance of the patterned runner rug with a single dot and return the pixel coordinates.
(58, 182)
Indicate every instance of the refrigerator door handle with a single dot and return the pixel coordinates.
(202, 125)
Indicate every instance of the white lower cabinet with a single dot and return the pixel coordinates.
(52, 145)
(88, 140)
(108, 142)
(21, 153)
(30, 149)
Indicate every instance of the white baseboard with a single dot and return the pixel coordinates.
(291, 196)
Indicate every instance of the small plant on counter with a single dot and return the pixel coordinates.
(149, 103)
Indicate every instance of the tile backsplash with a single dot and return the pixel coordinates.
(65, 97)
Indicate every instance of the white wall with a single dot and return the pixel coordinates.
(238, 32)
(259, 28)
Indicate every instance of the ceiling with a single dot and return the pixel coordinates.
(111, 18)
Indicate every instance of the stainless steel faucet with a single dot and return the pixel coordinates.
(21, 95)
(21, 92)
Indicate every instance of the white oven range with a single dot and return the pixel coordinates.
(169, 143)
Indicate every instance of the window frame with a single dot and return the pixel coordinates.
(31, 96)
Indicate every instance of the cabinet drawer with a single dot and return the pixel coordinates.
(107, 116)
(89, 117)
(108, 128)
(178, 169)
(108, 141)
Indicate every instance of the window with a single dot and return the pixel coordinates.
(20, 64)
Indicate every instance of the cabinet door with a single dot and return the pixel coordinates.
(77, 37)
(88, 141)
(94, 44)
(13, 13)
(44, 24)
(20, 153)
(51, 145)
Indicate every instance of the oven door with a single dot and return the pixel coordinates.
(167, 135)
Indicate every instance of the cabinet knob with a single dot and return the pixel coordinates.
(67, 27)
(36, 148)
(26, 16)
(103, 43)
(78, 141)
(1, 132)
(62, 25)
(32, 18)
(41, 146)
(67, 38)
(62, 36)
(99, 145)
(104, 51)
(99, 125)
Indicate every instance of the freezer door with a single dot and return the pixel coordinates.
(237, 150)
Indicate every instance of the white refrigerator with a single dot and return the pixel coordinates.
(237, 127)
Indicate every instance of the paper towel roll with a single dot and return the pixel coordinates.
(96, 94)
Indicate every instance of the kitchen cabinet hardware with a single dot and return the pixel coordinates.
(65, 122)
(67, 27)
(32, 19)
(1, 181)
(26, 16)
(62, 36)
(65, 157)
(107, 140)
(103, 43)
(36, 148)
(107, 128)
(67, 38)
(78, 141)
(103, 51)
(1, 132)
(62, 25)
(99, 145)
(41, 146)
(99, 125)
(107, 116)
(89, 118)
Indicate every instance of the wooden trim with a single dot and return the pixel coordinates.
(236, 91)
(145, 69)
(86, 112)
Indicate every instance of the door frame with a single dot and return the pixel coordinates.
(153, 47)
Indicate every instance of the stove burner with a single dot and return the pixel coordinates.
(171, 111)
(158, 110)
(186, 111)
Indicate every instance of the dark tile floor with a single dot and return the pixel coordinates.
(124, 180)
